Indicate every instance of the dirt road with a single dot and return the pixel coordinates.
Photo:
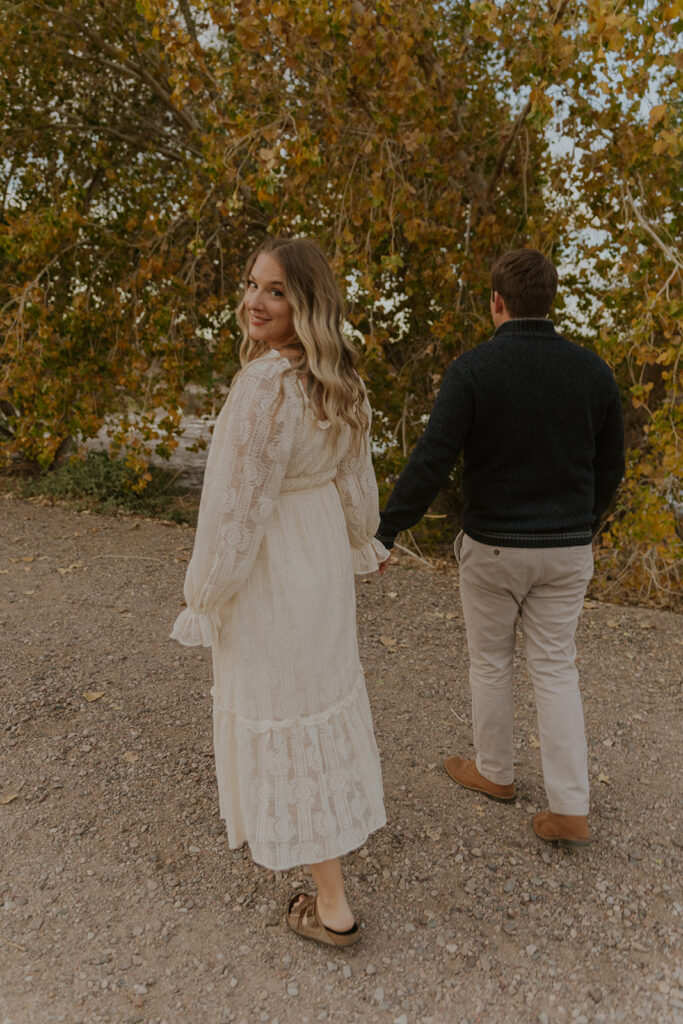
(120, 901)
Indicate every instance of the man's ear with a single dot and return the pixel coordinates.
(497, 302)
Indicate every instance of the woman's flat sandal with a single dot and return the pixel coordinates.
(302, 918)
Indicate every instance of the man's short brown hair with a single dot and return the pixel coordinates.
(527, 281)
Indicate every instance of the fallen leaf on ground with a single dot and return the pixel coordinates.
(91, 695)
(387, 641)
(603, 778)
(7, 797)
(533, 742)
(74, 565)
(130, 757)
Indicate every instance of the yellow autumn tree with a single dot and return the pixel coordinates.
(148, 146)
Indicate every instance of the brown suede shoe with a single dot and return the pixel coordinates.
(468, 775)
(565, 829)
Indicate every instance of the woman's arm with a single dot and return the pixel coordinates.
(247, 463)
(357, 487)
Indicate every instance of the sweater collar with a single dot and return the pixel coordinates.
(526, 325)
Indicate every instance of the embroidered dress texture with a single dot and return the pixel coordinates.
(286, 517)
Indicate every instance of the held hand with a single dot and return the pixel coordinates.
(383, 565)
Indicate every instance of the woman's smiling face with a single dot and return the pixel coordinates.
(270, 314)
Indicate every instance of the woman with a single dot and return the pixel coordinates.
(288, 512)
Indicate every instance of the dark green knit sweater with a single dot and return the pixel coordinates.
(539, 422)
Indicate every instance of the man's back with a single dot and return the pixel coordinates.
(542, 408)
(539, 421)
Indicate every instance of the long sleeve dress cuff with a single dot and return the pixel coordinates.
(369, 557)
(196, 629)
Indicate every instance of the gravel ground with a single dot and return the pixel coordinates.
(119, 898)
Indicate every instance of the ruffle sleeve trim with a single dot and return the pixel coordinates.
(196, 629)
(369, 557)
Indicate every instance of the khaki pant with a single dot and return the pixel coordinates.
(544, 587)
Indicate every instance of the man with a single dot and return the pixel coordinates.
(539, 422)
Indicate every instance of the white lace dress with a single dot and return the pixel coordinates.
(286, 517)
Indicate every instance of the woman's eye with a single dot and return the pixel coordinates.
(277, 294)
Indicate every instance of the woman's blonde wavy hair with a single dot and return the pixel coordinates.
(318, 314)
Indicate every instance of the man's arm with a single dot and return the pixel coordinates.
(432, 459)
(608, 462)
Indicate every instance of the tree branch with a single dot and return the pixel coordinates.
(559, 11)
(132, 138)
(126, 66)
(647, 227)
(189, 20)
(508, 142)
(504, 150)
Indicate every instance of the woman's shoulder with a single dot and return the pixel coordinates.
(262, 375)
(268, 367)
(262, 385)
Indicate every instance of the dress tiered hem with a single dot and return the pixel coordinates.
(300, 790)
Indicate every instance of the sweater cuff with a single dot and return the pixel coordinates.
(387, 542)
